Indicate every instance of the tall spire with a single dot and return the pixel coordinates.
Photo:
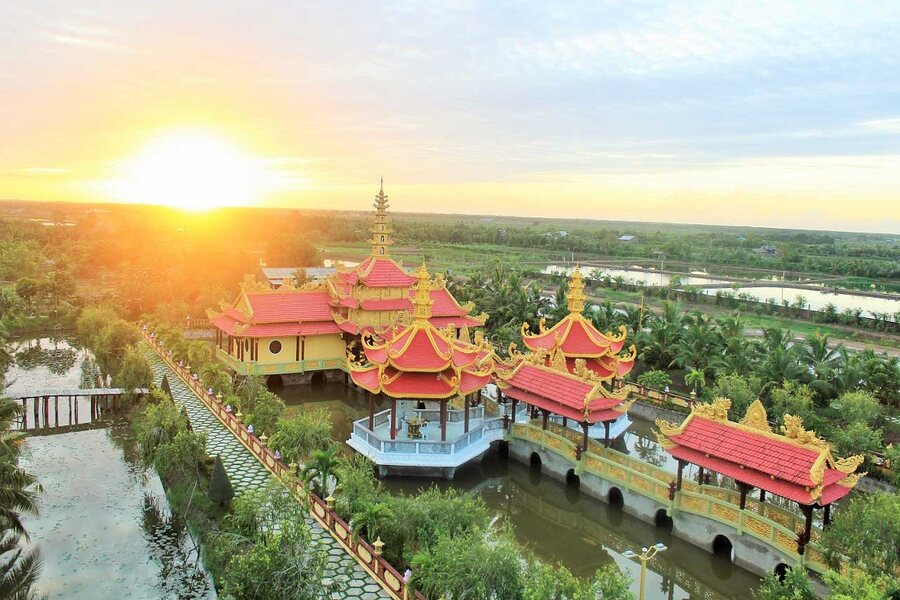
(381, 232)
(422, 300)
(575, 295)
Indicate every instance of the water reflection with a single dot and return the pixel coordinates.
(105, 529)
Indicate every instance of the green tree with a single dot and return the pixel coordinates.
(266, 411)
(742, 391)
(296, 438)
(795, 585)
(319, 471)
(372, 519)
(91, 322)
(857, 585)
(220, 490)
(857, 438)
(867, 532)
(655, 379)
(19, 569)
(28, 289)
(286, 565)
(794, 399)
(135, 372)
(469, 566)
(858, 407)
(182, 457)
(695, 379)
(114, 339)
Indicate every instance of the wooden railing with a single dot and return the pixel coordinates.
(773, 525)
(361, 550)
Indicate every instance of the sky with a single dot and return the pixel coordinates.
(780, 114)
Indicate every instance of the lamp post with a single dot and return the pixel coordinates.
(645, 555)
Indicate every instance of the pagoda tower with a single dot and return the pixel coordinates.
(377, 294)
(381, 232)
(575, 337)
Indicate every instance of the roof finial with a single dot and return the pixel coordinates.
(576, 295)
(381, 238)
(422, 300)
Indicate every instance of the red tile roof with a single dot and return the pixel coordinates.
(378, 271)
(562, 393)
(575, 336)
(280, 307)
(803, 471)
(386, 304)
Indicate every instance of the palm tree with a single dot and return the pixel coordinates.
(319, 472)
(19, 570)
(779, 360)
(822, 361)
(698, 343)
(371, 519)
(695, 378)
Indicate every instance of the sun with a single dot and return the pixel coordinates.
(192, 170)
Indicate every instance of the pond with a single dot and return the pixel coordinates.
(818, 300)
(555, 522)
(649, 277)
(105, 529)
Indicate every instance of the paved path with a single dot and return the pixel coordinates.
(245, 472)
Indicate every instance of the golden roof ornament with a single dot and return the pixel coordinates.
(756, 417)
(575, 295)
(422, 300)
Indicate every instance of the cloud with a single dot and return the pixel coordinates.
(883, 125)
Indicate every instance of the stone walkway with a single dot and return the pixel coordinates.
(245, 472)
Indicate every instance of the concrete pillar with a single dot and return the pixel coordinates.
(371, 411)
(393, 418)
(466, 424)
(606, 433)
(680, 473)
(585, 426)
(546, 415)
(443, 420)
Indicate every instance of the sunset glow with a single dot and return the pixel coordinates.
(192, 170)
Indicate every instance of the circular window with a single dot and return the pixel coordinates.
(274, 346)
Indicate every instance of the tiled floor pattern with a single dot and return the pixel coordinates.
(245, 471)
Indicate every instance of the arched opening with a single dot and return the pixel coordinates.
(317, 379)
(573, 480)
(503, 449)
(275, 382)
(616, 499)
(535, 462)
(662, 520)
(781, 571)
(723, 548)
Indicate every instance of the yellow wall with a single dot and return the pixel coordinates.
(325, 346)
(317, 347)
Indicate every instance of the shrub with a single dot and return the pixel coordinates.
(220, 490)
(298, 437)
(858, 407)
(655, 379)
(266, 412)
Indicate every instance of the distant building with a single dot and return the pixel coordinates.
(628, 239)
(275, 276)
(766, 250)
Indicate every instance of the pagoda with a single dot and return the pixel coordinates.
(427, 372)
(794, 464)
(577, 399)
(378, 292)
(576, 346)
(576, 337)
(292, 332)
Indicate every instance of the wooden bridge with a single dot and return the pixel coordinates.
(60, 410)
